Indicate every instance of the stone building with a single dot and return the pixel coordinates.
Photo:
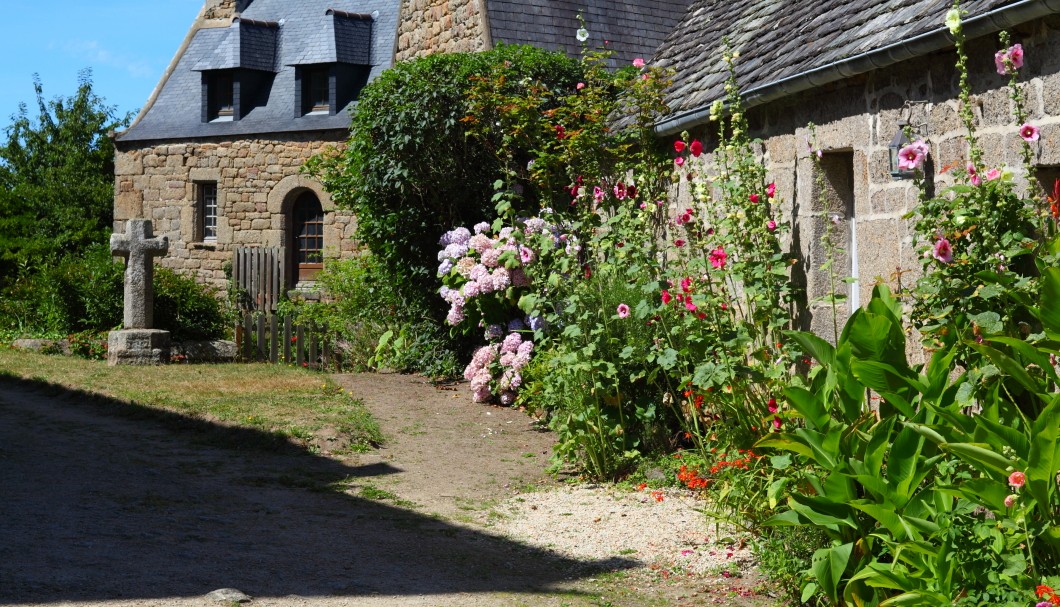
(259, 86)
(855, 69)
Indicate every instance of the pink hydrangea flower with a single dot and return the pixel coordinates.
(943, 251)
(623, 310)
(1017, 479)
(1029, 132)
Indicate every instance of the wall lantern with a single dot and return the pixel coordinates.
(899, 141)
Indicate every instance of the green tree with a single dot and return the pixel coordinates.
(56, 178)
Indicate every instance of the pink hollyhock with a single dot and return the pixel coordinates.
(1017, 479)
(691, 307)
(912, 156)
(679, 146)
(1014, 57)
(679, 161)
(679, 243)
(718, 257)
(623, 310)
(1010, 500)
(580, 86)
(638, 62)
(776, 423)
(686, 284)
(1015, 54)
(631, 191)
(666, 297)
(754, 198)
(976, 181)
(943, 251)
(620, 191)
(772, 405)
(771, 190)
(992, 174)
(696, 148)
(685, 218)
(771, 225)
(1029, 132)
(598, 193)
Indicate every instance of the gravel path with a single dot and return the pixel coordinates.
(103, 505)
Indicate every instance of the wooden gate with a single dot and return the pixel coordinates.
(258, 273)
(276, 339)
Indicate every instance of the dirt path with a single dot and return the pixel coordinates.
(101, 506)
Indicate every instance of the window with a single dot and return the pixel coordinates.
(220, 93)
(208, 210)
(316, 90)
(308, 236)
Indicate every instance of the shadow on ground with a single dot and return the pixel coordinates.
(104, 500)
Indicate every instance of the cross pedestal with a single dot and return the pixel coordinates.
(137, 343)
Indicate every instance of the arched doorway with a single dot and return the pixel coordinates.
(307, 238)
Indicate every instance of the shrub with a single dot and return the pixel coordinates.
(188, 310)
(410, 171)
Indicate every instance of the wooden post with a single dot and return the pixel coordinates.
(287, 340)
(248, 336)
(262, 353)
(300, 347)
(274, 338)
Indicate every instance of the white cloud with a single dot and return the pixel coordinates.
(94, 52)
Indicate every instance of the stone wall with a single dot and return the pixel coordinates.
(441, 26)
(257, 181)
(224, 9)
(856, 121)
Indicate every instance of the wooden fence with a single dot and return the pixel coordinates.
(258, 274)
(270, 338)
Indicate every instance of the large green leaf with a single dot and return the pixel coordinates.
(828, 567)
(1010, 366)
(785, 442)
(1048, 309)
(889, 381)
(819, 349)
(876, 337)
(979, 456)
(899, 529)
(1044, 458)
(902, 465)
(823, 512)
(809, 406)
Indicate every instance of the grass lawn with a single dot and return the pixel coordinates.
(279, 401)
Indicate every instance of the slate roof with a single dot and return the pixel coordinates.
(305, 31)
(633, 28)
(780, 40)
(247, 44)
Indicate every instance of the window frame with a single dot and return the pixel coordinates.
(307, 211)
(203, 191)
(221, 97)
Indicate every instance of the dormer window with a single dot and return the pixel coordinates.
(316, 90)
(220, 95)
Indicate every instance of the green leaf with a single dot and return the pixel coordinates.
(1050, 295)
(809, 406)
(822, 351)
(981, 457)
(1009, 365)
(1043, 461)
(828, 567)
(988, 322)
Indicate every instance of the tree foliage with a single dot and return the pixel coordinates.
(56, 178)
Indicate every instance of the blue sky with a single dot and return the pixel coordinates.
(126, 43)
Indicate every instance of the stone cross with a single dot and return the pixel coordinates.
(138, 246)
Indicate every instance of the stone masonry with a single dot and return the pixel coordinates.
(856, 120)
(441, 26)
(257, 180)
